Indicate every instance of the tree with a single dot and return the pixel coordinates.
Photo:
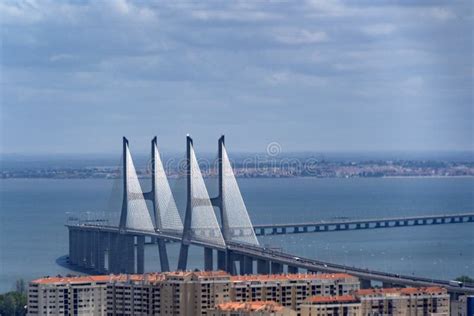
(13, 303)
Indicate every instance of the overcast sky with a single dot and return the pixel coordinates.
(319, 75)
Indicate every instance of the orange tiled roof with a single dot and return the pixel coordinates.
(402, 291)
(268, 306)
(296, 276)
(332, 299)
(152, 277)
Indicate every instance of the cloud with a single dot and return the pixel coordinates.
(440, 13)
(178, 60)
(300, 36)
(379, 29)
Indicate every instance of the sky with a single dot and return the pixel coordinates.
(316, 75)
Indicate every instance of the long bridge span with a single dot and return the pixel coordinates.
(119, 247)
(358, 224)
(239, 258)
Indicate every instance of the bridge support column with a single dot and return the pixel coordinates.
(365, 284)
(72, 246)
(246, 266)
(89, 249)
(276, 268)
(95, 254)
(292, 269)
(388, 285)
(221, 260)
(102, 246)
(125, 254)
(312, 271)
(208, 259)
(83, 248)
(263, 266)
(164, 263)
(230, 260)
(95, 250)
(114, 255)
(140, 254)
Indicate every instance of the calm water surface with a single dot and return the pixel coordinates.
(33, 212)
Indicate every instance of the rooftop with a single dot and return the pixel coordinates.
(332, 299)
(154, 277)
(268, 306)
(298, 276)
(402, 291)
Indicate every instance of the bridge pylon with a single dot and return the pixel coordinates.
(200, 222)
(235, 221)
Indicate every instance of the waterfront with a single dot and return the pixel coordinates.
(33, 214)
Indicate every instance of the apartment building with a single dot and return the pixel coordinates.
(196, 293)
(290, 290)
(404, 301)
(347, 305)
(193, 293)
(135, 295)
(258, 308)
(428, 301)
(85, 295)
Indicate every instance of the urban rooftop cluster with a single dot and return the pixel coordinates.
(217, 293)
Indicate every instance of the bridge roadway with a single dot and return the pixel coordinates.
(267, 259)
(357, 224)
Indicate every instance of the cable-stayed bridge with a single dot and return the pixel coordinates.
(117, 245)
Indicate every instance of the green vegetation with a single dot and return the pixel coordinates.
(465, 278)
(13, 303)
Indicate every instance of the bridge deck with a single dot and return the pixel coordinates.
(357, 224)
(291, 260)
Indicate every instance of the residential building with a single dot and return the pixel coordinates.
(290, 290)
(404, 301)
(85, 295)
(346, 305)
(257, 308)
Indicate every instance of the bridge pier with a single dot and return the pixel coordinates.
(164, 262)
(100, 259)
(276, 267)
(292, 269)
(140, 254)
(114, 255)
(388, 285)
(263, 266)
(230, 263)
(365, 284)
(208, 259)
(84, 249)
(128, 254)
(221, 260)
(246, 265)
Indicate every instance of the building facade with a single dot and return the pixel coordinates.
(68, 296)
(404, 301)
(344, 305)
(200, 293)
(257, 308)
(291, 290)
(428, 301)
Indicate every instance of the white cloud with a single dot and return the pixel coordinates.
(379, 29)
(296, 37)
(442, 14)
(232, 15)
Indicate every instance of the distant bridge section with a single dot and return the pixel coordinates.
(358, 224)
